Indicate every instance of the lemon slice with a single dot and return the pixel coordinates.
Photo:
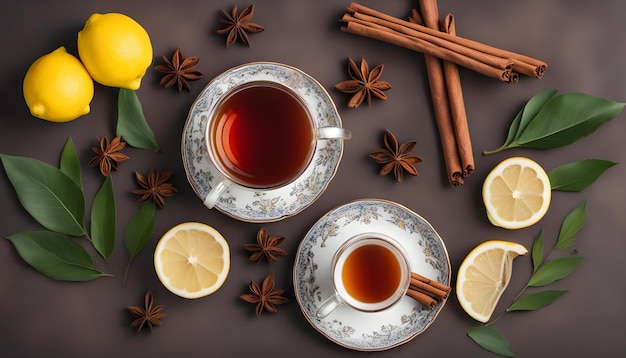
(516, 193)
(192, 260)
(483, 276)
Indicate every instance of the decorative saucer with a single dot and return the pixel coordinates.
(262, 205)
(373, 331)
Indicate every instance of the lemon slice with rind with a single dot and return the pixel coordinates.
(516, 193)
(483, 276)
(192, 260)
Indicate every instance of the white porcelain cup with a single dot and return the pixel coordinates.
(370, 272)
(225, 140)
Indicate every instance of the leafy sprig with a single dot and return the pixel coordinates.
(55, 198)
(546, 270)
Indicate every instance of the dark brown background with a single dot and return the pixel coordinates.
(583, 44)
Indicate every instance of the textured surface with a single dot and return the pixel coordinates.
(584, 46)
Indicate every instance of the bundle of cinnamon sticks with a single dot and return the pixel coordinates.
(443, 51)
(426, 291)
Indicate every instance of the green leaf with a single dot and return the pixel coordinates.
(532, 107)
(50, 196)
(566, 118)
(490, 339)
(131, 123)
(103, 218)
(536, 300)
(579, 175)
(70, 165)
(537, 251)
(573, 222)
(525, 115)
(554, 270)
(138, 231)
(563, 120)
(55, 255)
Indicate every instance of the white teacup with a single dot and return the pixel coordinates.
(370, 272)
(261, 135)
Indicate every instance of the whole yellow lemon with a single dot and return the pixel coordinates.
(57, 87)
(115, 49)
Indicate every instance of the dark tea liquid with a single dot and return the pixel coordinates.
(371, 273)
(264, 137)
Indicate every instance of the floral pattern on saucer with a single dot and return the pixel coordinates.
(312, 273)
(268, 205)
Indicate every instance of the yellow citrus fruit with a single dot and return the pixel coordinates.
(483, 276)
(115, 49)
(57, 87)
(192, 260)
(516, 193)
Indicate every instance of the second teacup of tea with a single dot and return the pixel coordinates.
(370, 272)
(261, 136)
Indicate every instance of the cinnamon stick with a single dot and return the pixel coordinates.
(426, 291)
(498, 62)
(441, 106)
(432, 40)
(377, 32)
(422, 298)
(436, 284)
(429, 290)
(531, 66)
(457, 105)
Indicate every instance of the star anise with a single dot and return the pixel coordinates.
(108, 155)
(266, 246)
(148, 315)
(155, 186)
(238, 26)
(266, 297)
(179, 71)
(396, 157)
(364, 83)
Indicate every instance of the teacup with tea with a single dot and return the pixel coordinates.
(370, 272)
(261, 135)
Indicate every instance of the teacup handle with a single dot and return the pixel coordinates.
(333, 133)
(216, 192)
(329, 306)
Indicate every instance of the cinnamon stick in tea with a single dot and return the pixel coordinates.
(429, 290)
(436, 284)
(457, 105)
(426, 291)
(422, 298)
